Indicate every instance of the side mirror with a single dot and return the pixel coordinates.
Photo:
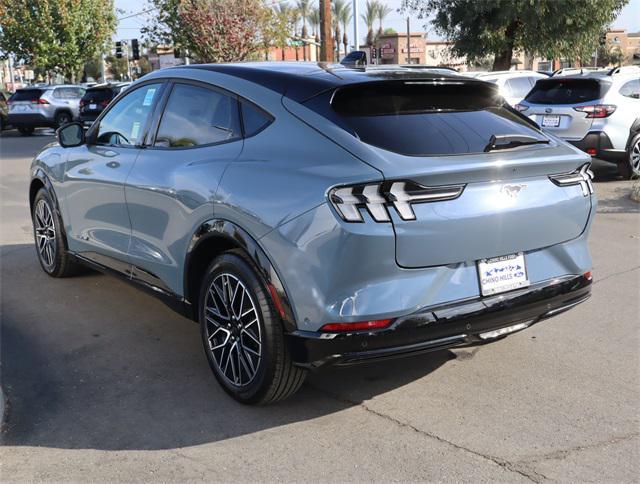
(70, 135)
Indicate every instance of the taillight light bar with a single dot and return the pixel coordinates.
(357, 326)
(597, 110)
(377, 197)
(39, 101)
(582, 176)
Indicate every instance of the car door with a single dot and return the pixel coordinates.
(96, 219)
(170, 190)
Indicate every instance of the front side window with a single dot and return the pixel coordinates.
(196, 116)
(124, 124)
(631, 89)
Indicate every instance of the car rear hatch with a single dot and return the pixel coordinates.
(489, 164)
(553, 102)
(96, 99)
(24, 101)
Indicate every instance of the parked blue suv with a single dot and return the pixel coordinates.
(314, 214)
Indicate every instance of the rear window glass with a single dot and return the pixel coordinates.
(519, 86)
(426, 119)
(566, 91)
(26, 95)
(99, 95)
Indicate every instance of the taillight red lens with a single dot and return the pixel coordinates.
(357, 326)
(597, 110)
(520, 107)
(104, 104)
(588, 275)
(40, 101)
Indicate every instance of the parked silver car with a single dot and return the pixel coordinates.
(513, 85)
(594, 112)
(44, 106)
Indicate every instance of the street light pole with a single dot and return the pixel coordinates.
(408, 42)
(356, 33)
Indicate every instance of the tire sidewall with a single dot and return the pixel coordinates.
(60, 122)
(635, 140)
(270, 326)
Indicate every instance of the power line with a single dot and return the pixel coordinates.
(136, 14)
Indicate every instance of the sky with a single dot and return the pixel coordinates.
(629, 19)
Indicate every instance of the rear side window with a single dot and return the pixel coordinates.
(631, 89)
(426, 119)
(253, 119)
(519, 86)
(566, 91)
(26, 95)
(67, 93)
(197, 116)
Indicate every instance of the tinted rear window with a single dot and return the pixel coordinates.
(26, 95)
(99, 95)
(416, 118)
(566, 91)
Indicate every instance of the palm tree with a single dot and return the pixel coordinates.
(303, 7)
(337, 7)
(345, 18)
(381, 12)
(369, 16)
(313, 17)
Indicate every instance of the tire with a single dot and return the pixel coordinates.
(49, 237)
(26, 130)
(247, 354)
(631, 167)
(63, 118)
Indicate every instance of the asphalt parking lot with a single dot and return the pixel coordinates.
(103, 382)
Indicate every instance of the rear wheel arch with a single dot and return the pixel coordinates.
(63, 111)
(218, 236)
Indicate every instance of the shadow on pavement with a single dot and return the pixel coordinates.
(612, 191)
(90, 362)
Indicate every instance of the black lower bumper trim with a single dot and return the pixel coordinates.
(600, 142)
(445, 326)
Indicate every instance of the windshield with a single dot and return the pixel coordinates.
(422, 119)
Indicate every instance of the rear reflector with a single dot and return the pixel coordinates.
(357, 326)
(588, 276)
(592, 151)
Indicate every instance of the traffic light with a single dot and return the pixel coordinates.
(119, 50)
(135, 49)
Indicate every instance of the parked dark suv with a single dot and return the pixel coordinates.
(97, 98)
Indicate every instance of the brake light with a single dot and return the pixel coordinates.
(104, 104)
(40, 101)
(357, 326)
(597, 110)
(376, 197)
(520, 107)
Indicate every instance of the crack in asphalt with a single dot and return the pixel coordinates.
(509, 466)
(564, 453)
(615, 274)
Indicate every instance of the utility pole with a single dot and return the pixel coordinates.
(408, 41)
(11, 77)
(356, 33)
(326, 39)
(103, 68)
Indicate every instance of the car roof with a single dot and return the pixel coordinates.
(303, 80)
(510, 74)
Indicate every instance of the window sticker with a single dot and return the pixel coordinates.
(135, 130)
(148, 97)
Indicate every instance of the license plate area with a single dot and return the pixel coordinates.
(502, 274)
(551, 121)
(93, 106)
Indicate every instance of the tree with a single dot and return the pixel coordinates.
(339, 10)
(56, 35)
(117, 67)
(345, 18)
(381, 12)
(369, 17)
(304, 8)
(549, 28)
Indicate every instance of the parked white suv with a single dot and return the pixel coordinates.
(514, 85)
(594, 112)
(44, 106)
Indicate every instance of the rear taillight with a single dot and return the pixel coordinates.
(104, 104)
(520, 107)
(582, 176)
(377, 197)
(40, 101)
(357, 326)
(597, 110)
(82, 103)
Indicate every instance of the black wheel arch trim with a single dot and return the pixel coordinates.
(241, 239)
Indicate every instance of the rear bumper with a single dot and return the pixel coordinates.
(30, 120)
(600, 142)
(456, 324)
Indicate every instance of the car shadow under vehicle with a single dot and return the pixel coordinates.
(90, 362)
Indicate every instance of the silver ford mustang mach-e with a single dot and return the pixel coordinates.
(313, 214)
